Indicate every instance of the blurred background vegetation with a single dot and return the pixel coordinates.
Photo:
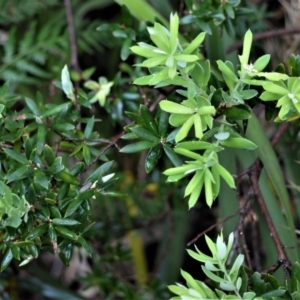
(138, 240)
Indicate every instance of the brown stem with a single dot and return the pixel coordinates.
(279, 133)
(212, 227)
(72, 35)
(265, 35)
(113, 142)
(282, 258)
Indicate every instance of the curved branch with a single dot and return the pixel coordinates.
(265, 35)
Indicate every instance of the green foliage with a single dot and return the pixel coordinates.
(43, 203)
(62, 185)
(232, 283)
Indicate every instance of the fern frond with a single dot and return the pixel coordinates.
(15, 11)
(25, 53)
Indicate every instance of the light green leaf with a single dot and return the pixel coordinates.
(244, 58)
(225, 175)
(195, 43)
(194, 182)
(184, 130)
(261, 62)
(273, 76)
(173, 107)
(239, 143)
(67, 85)
(174, 24)
(221, 136)
(227, 71)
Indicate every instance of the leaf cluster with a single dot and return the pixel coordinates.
(44, 204)
(235, 282)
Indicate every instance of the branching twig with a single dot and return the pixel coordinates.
(72, 35)
(211, 228)
(282, 258)
(265, 35)
(113, 142)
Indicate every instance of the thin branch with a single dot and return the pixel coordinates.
(279, 133)
(282, 258)
(72, 35)
(212, 227)
(113, 142)
(275, 139)
(265, 35)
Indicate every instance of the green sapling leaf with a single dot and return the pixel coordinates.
(66, 82)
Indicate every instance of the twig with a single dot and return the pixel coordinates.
(275, 139)
(72, 35)
(212, 227)
(265, 35)
(282, 258)
(112, 143)
(161, 97)
(279, 133)
(144, 96)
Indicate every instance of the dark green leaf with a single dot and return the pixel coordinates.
(16, 156)
(295, 276)
(55, 212)
(203, 25)
(66, 233)
(152, 158)
(258, 284)
(33, 106)
(137, 147)
(49, 155)
(174, 157)
(56, 109)
(46, 211)
(241, 112)
(64, 222)
(129, 136)
(28, 148)
(8, 257)
(145, 134)
(217, 98)
(65, 253)
(77, 169)
(52, 233)
(99, 172)
(18, 174)
(63, 191)
(56, 167)
(33, 250)
(67, 177)
(73, 205)
(89, 127)
(15, 251)
(63, 126)
(163, 123)
(41, 179)
(271, 294)
(86, 154)
(125, 50)
(85, 245)
(148, 119)
(41, 137)
(38, 231)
